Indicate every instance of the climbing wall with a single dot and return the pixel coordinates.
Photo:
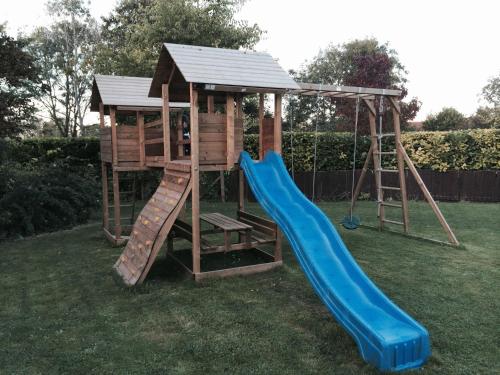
(153, 225)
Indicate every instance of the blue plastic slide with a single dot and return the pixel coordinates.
(386, 336)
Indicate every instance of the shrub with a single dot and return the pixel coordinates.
(47, 199)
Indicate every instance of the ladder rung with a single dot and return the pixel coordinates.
(390, 188)
(386, 135)
(121, 205)
(392, 222)
(387, 170)
(387, 204)
(385, 152)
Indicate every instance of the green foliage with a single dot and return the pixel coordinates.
(439, 151)
(18, 86)
(134, 32)
(485, 117)
(41, 200)
(491, 92)
(448, 119)
(363, 62)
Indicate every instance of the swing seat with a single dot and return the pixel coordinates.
(351, 222)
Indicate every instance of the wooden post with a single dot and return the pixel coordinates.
(116, 203)
(241, 190)
(210, 104)
(180, 135)
(261, 126)
(451, 236)
(104, 177)
(114, 137)
(166, 122)
(401, 163)
(376, 158)
(140, 127)
(195, 178)
(222, 187)
(277, 148)
(277, 123)
(230, 130)
(239, 107)
(359, 184)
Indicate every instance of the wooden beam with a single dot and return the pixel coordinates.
(395, 104)
(105, 196)
(114, 137)
(261, 126)
(122, 108)
(230, 130)
(171, 75)
(210, 104)
(359, 184)
(371, 106)
(277, 123)
(239, 106)
(242, 271)
(222, 187)
(116, 203)
(195, 178)
(401, 165)
(140, 128)
(166, 123)
(314, 88)
(241, 190)
(451, 236)
(101, 115)
(180, 134)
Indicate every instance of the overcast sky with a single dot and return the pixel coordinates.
(450, 48)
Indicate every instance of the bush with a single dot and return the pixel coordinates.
(439, 151)
(47, 199)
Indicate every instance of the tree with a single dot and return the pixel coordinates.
(491, 92)
(18, 86)
(448, 119)
(132, 35)
(364, 63)
(65, 52)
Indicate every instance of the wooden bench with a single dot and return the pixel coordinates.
(228, 225)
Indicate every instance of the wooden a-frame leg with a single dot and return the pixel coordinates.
(451, 236)
(361, 179)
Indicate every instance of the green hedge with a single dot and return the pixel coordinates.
(439, 151)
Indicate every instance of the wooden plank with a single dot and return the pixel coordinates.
(257, 219)
(140, 126)
(261, 126)
(361, 179)
(451, 236)
(245, 270)
(114, 138)
(222, 187)
(277, 123)
(166, 122)
(101, 115)
(153, 123)
(195, 176)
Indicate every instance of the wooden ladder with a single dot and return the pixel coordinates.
(381, 172)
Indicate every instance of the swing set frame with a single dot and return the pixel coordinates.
(375, 154)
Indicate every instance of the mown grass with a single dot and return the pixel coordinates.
(61, 311)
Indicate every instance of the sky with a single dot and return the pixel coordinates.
(449, 48)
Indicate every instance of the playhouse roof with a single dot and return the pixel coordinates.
(219, 66)
(124, 91)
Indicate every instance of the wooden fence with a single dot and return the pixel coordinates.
(453, 186)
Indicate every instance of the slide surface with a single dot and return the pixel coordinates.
(386, 336)
(152, 226)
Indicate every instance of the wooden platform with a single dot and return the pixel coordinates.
(251, 237)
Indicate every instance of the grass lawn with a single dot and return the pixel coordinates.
(62, 312)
